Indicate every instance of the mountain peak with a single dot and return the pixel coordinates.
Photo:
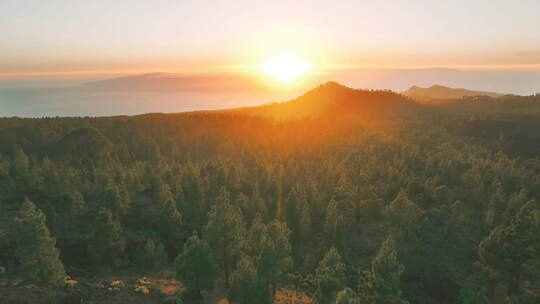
(329, 88)
(334, 85)
(337, 100)
(438, 86)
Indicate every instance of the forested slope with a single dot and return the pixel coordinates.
(340, 195)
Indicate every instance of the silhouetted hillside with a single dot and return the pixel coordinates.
(333, 98)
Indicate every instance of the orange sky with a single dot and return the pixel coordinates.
(56, 36)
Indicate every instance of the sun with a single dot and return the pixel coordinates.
(285, 68)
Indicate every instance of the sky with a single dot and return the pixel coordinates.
(81, 36)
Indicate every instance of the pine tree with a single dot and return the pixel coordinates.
(330, 276)
(108, 244)
(36, 251)
(292, 210)
(51, 215)
(510, 254)
(346, 296)
(151, 256)
(74, 204)
(354, 194)
(274, 259)
(443, 195)
(161, 191)
(192, 203)
(404, 216)
(495, 209)
(246, 287)
(171, 230)
(472, 292)
(256, 238)
(382, 284)
(259, 204)
(305, 225)
(195, 266)
(247, 206)
(116, 199)
(20, 165)
(225, 232)
(331, 222)
(515, 202)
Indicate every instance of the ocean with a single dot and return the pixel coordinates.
(71, 101)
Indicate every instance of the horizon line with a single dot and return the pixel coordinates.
(231, 70)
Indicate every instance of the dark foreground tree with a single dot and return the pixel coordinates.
(109, 243)
(246, 287)
(274, 258)
(510, 255)
(36, 251)
(224, 232)
(195, 266)
(151, 256)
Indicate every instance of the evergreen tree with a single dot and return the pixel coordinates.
(443, 195)
(108, 244)
(382, 284)
(225, 232)
(195, 266)
(472, 292)
(246, 287)
(259, 204)
(330, 276)
(36, 251)
(20, 165)
(247, 206)
(50, 214)
(274, 259)
(192, 204)
(331, 222)
(305, 232)
(495, 208)
(161, 191)
(256, 238)
(404, 216)
(74, 204)
(151, 256)
(116, 199)
(515, 202)
(354, 194)
(509, 256)
(346, 296)
(292, 210)
(171, 230)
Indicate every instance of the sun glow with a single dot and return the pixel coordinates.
(285, 68)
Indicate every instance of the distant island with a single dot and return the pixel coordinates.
(439, 92)
(181, 82)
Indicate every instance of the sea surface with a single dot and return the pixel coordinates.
(70, 101)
